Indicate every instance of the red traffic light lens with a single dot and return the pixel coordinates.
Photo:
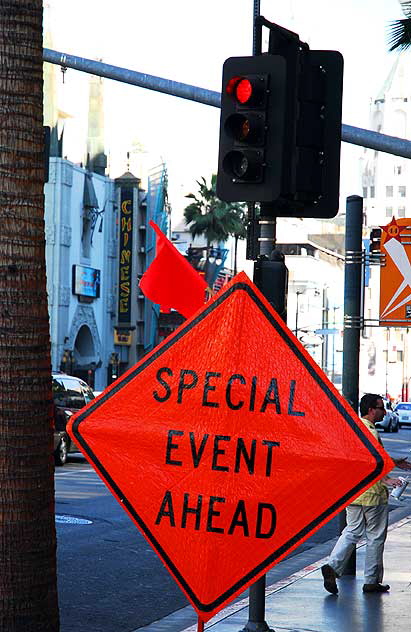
(247, 90)
(244, 90)
(240, 88)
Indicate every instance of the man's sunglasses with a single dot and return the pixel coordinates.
(380, 407)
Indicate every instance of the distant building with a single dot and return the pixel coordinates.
(137, 322)
(98, 245)
(386, 182)
(315, 301)
(81, 260)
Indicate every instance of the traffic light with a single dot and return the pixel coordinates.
(280, 130)
(318, 135)
(253, 105)
(375, 240)
(271, 277)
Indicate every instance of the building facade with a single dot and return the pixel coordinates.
(386, 189)
(81, 260)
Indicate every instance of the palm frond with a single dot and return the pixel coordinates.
(211, 217)
(406, 8)
(399, 37)
(191, 212)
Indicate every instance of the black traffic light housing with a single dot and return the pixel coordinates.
(271, 277)
(289, 156)
(375, 240)
(252, 128)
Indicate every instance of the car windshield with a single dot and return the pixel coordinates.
(59, 392)
(71, 392)
(88, 394)
(403, 407)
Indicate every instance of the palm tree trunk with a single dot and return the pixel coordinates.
(28, 592)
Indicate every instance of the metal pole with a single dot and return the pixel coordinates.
(256, 29)
(140, 79)
(270, 278)
(349, 134)
(352, 318)
(297, 294)
(267, 229)
(387, 342)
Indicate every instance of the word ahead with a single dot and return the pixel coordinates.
(239, 519)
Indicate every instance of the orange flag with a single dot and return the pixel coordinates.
(170, 281)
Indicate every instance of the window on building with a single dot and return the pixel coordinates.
(398, 170)
(389, 191)
(401, 211)
(372, 192)
(388, 211)
(402, 191)
(364, 192)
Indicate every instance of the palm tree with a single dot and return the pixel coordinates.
(28, 587)
(400, 34)
(209, 216)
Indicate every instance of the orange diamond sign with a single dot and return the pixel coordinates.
(228, 446)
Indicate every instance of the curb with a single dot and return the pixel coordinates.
(176, 621)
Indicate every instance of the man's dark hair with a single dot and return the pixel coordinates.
(369, 400)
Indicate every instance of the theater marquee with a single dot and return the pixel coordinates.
(125, 257)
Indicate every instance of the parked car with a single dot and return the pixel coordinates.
(390, 422)
(403, 410)
(70, 394)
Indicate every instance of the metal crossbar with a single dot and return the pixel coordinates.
(349, 134)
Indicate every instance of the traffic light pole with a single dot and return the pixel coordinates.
(271, 278)
(352, 319)
(261, 239)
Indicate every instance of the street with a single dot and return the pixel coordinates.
(110, 580)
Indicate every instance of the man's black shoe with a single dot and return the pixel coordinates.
(376, 588)
(329, 579)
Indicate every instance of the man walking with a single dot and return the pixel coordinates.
(367, 514)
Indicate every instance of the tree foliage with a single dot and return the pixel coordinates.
(399, 37)
(209, 216)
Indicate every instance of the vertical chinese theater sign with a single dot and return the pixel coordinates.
(125, 255)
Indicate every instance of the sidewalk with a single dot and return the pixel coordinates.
(298, 602)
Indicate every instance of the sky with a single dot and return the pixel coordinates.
(188, 41)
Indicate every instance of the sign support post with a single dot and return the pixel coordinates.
(271, 278)
(352, 319)
(265, 236)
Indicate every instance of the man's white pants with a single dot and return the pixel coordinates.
(371, 522)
